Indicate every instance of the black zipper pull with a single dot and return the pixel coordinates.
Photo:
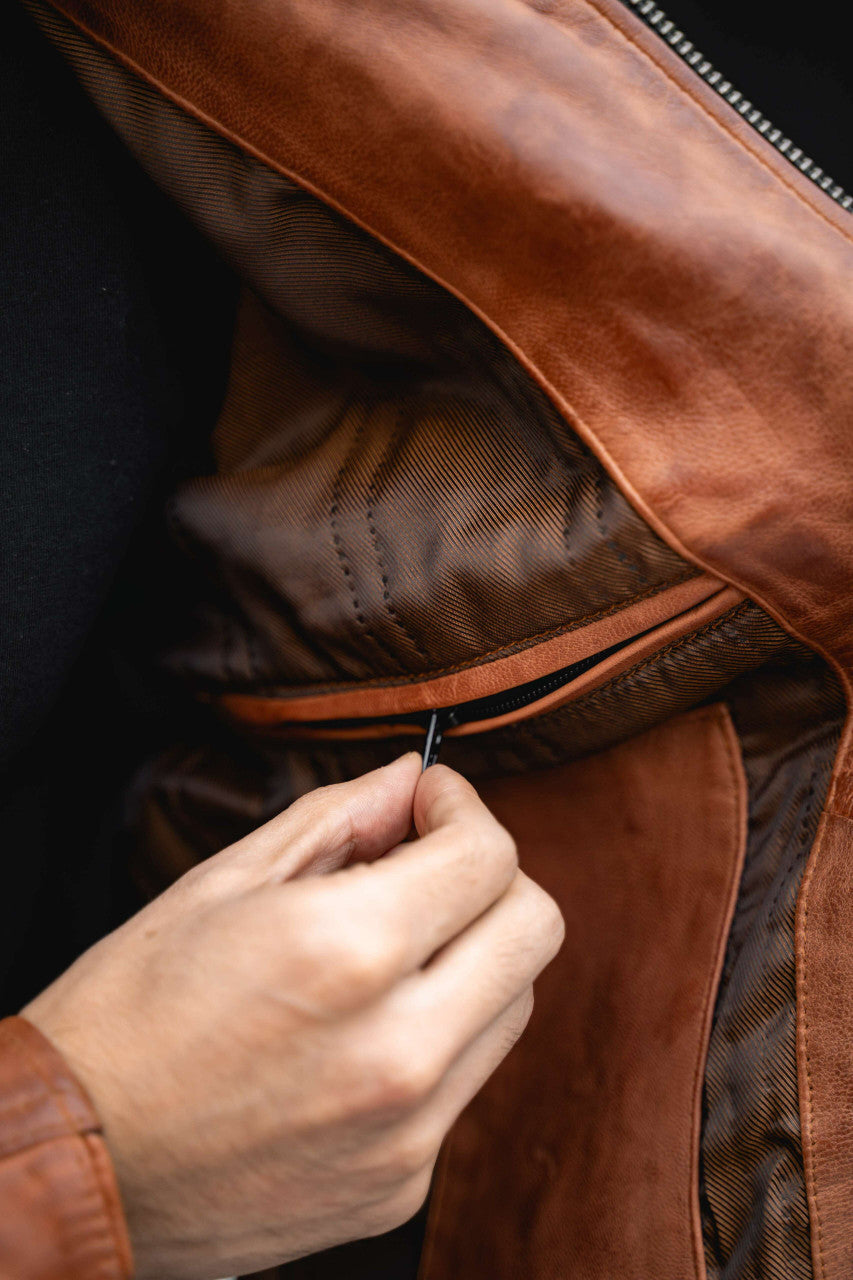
(434, 734)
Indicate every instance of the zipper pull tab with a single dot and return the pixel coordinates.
(434, 734)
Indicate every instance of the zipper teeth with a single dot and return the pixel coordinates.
(513, 699)
(687, 51)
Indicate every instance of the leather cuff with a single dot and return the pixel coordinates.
(60, 1211)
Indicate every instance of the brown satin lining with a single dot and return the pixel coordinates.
(502, 674)
(722, 351)
(788, 717)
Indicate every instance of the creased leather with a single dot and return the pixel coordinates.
(531, 158)
(60, 1212)
(579, 1157)
(676, 347)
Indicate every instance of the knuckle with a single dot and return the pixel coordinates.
(544, 918)
(346, 943)
(410, 1153)
(338, 965)
(401, 1205)
(506, 847)
(303, 806)
(322, 812)
(367, 957)
(204, 876)
(360, 962)
(402, 1081)
(553, 924)
(223, 877)
(489, 842)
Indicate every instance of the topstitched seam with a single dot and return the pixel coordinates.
(721, 722)
(724, 128)
(114, 1221)
(609, 540)
(806, 890)
(83, 1160)
(340, 550)
(507, 650)
(372, 496)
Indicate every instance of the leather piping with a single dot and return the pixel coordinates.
(296, 713)
(657, 453)
(477, 681)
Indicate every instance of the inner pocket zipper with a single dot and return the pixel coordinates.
(497, 691)
(439, 720)
(500, 704)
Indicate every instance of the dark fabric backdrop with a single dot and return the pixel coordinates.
(115, 323)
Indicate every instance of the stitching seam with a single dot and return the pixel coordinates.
(719, 721)
(517, 646)
(821, 1269)
(730, 133)
(380, 563)
(341, 552)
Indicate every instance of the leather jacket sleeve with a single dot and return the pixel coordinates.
(60, 1212)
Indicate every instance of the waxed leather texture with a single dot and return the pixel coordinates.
(532, 162)
(580, 1156)
(60, 1212)
(392, 496)
(652, 363)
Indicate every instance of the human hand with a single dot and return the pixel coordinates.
(278, 1044)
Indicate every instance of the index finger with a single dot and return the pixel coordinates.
(405, 907)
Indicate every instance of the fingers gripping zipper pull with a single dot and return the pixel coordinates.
(434, 734)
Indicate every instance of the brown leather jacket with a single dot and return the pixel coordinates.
(538, 419)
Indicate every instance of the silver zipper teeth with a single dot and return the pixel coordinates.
(687, 51)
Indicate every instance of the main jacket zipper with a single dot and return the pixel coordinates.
(669, 31)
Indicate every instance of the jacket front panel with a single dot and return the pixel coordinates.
(655, 344)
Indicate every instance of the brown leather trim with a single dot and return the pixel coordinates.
(704, 343)
(824, 1023)
(61, 1216)
(707, 358)
(600, 1102)
(491, 675)
(502, 674)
